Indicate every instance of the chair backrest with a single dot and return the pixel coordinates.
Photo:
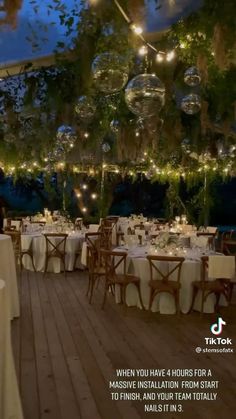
(164, 274)
(139, 226)
(78, 223)
(212, 229)
(112, 260)
(229, 247)
(106, 237)
(93, 228)
(16, 240)
(54, 247)
(10, 224)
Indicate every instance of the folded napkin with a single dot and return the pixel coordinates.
(221, 267)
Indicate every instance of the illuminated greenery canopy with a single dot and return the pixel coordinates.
(35, 103)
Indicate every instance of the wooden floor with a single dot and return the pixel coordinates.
(66, 351)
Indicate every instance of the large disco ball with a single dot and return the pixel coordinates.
(115, 125)
(191, 104)
(106, 147)
(192, 77)
(145, 95)
(110, 72)
(85, 108)
(66, 134)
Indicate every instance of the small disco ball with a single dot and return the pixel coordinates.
(85, 108)
(145, 95)
(150, 174)
(58, 152)
(9, 138)
(185, 145)
(192, 77)
(191, 104)
(115, 125)
(110, 72)
(66, 134)
(106, 147)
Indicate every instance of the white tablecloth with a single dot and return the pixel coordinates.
(10, 404)
(8, 274)
(164, 302)
(74, 241)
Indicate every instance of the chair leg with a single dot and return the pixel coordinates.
(32, 259)
(176, 296)
(152, 293)
(46, 266)
(105, 295)
(195, 291)
(92, 288)
(202, 301)
(217, 294)
(140, 296)
(89, 284)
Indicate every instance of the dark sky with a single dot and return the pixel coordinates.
(15, 47)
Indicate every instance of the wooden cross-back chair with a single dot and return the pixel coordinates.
(165, 283)
(18, 251)
(229, 247)
(95, 269)
(55, 249)
(211, 237)
(112, 261)
(206, 287)
(106, 237)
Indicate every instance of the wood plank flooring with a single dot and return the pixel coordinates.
(66, 352)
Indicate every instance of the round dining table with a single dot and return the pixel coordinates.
(8, 274)
(138, 265)
(10, 403)
(38, 242)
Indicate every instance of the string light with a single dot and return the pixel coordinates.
(86, 134)
(78, 195)
(94, 196)
(84, 209)
(170, 56)
(138, 30)
(143, 50)
(84, 186)
(160, 57)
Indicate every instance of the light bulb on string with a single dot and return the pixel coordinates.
(143, 50)
(84, 209)
(94, 196)
(160, 57)
(170, 55)
(84, 186)
(138, 30)
(86, 134)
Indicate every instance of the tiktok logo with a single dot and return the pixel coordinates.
(216, 328)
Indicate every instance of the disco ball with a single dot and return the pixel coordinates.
(9, 138)
(85, 107)
(58, 153)
(66, 135)
(185, 145)
(150, 174)
(106, 147)
(110, 72)
(191, 104)
(192, 77)
(115, 125)
(145, 95)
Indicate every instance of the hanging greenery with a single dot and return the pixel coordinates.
(36, 103)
